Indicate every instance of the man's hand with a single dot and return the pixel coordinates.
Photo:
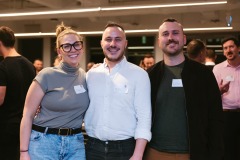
(224, 87)
(96, 65)
(37, 112)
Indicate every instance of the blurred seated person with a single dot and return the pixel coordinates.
(90, 65)
(38, 64)
(196, 51)
(147, 61)
(210, 58)
(57, 60)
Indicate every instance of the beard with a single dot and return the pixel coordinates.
(174, 52)
(115, 59)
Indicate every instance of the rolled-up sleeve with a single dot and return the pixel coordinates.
(142, 105)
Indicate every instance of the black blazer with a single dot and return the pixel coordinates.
(204, 108)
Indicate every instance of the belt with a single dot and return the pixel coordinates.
(112, 142)
(58, 131)
(231, 110)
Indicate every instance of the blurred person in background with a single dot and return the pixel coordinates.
(227, 74)
(90, 65)
(57, 60)
(196, 51)
(38, 64)
(210, 58)
(16, 75)
(147, 61)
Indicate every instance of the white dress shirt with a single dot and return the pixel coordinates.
(120, 106)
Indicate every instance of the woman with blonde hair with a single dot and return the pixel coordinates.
(62, 94)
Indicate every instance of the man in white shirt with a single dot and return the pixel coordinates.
(118, 120)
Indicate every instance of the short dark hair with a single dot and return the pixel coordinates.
(194, 48)
(236, 42)
(7, 36)
(148, 55)
(113, 24)
(211, 54)
(169, 20)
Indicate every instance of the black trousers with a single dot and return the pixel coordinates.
(9, 142)
(232, 135)
(109, 150)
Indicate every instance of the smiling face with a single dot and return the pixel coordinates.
(73, 57)
(230, 50)
(114, 44)
(171, 38)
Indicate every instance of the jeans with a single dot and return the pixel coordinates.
(44, 146)
(109, 150)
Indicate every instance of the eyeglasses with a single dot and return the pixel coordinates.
(67, 47)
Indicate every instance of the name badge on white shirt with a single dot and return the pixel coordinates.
(229, 78)
(177, 83)
(79, 89)
(121, 88)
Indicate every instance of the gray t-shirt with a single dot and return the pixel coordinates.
(66, 97)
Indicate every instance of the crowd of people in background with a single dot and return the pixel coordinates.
(184, 107)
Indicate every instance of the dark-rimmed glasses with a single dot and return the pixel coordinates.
(67, 47)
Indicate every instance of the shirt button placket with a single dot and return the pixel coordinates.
(106, 147)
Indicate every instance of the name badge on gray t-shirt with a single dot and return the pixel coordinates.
(79, 89)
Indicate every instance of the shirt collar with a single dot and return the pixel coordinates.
(122, 62)
(210, 63)
(226, 64)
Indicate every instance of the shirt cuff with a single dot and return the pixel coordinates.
(144, 134)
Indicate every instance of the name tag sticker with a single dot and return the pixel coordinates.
(229, 78)
(126, 88)
(121, 88)
(177, 83)
(79, 89)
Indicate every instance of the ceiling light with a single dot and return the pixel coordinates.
(141, 47)
(49, 12)
(98, 9)
(208, 29)
(162, 6)
(126, 31)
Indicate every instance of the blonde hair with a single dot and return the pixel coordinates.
(62, 30)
